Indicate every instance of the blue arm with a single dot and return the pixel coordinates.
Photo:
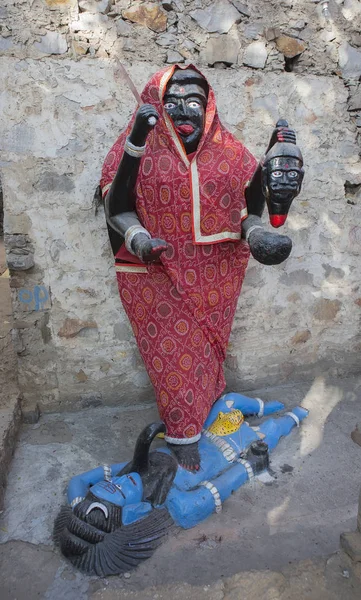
(274, 429)
(249, 406)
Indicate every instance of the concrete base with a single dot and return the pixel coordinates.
(298, 514)
(351, 543)
(10, 416)
(9, 397)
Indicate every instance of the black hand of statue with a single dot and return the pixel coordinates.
(282, 133)
(145, 120)
(269, 248)
(148, 249)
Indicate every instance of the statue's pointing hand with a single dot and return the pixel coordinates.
(145, 120)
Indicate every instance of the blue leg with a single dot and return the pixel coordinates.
(274, 429)
(249, 406)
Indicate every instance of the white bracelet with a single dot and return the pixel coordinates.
(252, 229)
(261, 407)
(294, 417)
(130, 235)
(135, 151)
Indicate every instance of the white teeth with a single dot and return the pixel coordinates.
(98, 505)
(229, 403)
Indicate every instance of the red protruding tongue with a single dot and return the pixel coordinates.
(185, 129)
(277, 220)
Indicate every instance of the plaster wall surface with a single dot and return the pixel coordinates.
(59, 117)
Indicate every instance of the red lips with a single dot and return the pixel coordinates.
(185, 129)
(277, 220)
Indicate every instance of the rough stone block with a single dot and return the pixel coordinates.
(148, 14)
(79, 48)
(217, 18)
(351, 543)
(242, 8)
(255, 55)
(271, 33)
(176, 5)
(71, 327)
(94, 6)
(123, 28)
(50, 181)
(15, 241)
(301, 337)
(326, 310)
(252, 31)
(289, 46)
(174, 57)
(167, 40)
(20, 262)
(60, 3)
(6, 43)
(52, 43)
(354, 102)
(20, 252)
(223, 49)
(349, 61)
(90, 22)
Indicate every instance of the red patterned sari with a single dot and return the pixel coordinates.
(181, 309)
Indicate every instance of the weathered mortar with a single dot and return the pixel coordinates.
(60, 117)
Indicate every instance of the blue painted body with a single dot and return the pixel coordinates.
(189, 502)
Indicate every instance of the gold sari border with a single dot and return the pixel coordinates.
(130, 268)
(106, 188)
(198, 237)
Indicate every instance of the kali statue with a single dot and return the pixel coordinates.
(183, 202)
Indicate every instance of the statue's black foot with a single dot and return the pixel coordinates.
(269, 248)
(187, 455)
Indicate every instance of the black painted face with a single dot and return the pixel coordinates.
(284, 177)
(281, 183)
(186, 104)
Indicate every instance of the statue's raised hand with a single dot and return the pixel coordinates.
(145, 120)
(282, 133)
(148, 249)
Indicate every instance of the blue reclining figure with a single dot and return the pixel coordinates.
(119, 514)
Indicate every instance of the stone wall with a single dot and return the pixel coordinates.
(64, 103)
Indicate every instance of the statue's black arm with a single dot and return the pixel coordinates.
(266, 247)
(120, 208)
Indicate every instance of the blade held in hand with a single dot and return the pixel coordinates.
(124, 73)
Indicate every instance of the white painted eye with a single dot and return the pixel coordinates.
(194, 104)
(169, 105)
(293, 174)
(277, 173)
